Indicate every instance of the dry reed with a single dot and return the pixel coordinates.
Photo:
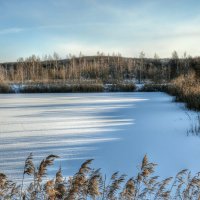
(89, 183)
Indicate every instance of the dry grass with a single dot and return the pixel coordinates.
(187, 89)
(59, 87)
(153, 87)
(194, 126)
(89, 183)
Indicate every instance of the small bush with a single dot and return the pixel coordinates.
(121, 87)
(154, 88)
(4, 88)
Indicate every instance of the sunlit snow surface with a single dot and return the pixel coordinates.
(116, 129)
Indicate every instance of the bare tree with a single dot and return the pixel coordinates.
(141, 66)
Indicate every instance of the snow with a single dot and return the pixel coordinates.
(116, 129)
(15, 88)
(139, 86)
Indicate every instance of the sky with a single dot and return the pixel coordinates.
(128, 27)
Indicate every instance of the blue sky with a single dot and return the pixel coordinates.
(71, 26)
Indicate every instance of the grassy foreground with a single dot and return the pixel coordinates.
(89, 183)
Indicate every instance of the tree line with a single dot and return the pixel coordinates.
(100, 68)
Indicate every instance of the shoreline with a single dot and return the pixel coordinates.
(65, 88)
(81, 88)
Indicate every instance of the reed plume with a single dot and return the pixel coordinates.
(89, 183)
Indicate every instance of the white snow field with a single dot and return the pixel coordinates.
(116, 129)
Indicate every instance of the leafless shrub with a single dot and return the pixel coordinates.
(194, 127)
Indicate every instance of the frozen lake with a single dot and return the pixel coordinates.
(116, 129)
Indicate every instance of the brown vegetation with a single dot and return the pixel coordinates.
(187, 89)
(104, 68)
(89, 183)
(153, 87)
(194, 127)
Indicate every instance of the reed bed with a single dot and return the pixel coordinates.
(61, 88)
(66, 87)
(186, 89)
(89, 183)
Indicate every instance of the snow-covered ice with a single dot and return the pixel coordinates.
(116, 129)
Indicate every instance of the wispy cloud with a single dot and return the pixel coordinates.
(89, 26)
(19, 30)
(10, 31)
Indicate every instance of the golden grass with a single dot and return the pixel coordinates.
(89, 183)
(187, 89)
